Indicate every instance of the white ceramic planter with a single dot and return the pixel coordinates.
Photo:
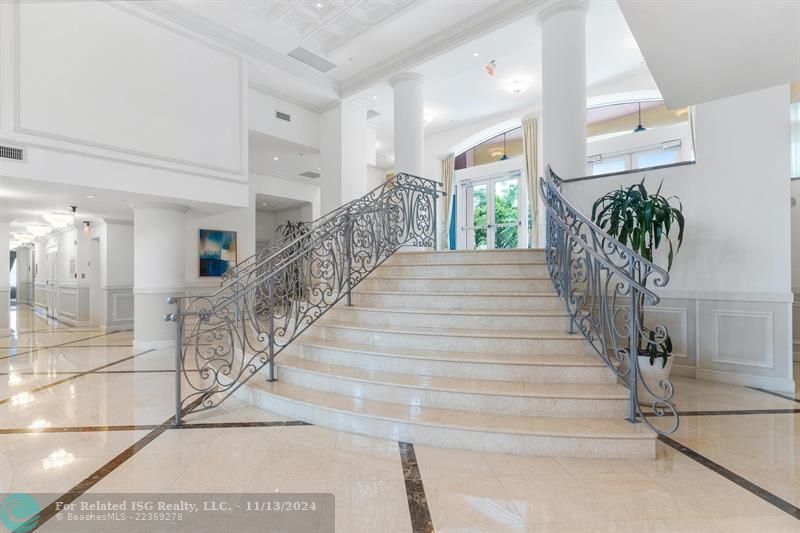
(652, 376)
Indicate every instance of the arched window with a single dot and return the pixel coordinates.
(498, 148)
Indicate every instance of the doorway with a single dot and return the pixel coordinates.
(95, 297)
(493, 213)
(52, 284)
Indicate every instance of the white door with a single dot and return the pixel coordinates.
(493, 217)
(52, 284)
(95, 299)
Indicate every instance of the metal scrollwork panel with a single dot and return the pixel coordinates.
(605, 286)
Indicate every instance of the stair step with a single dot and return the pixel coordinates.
(543, 368)
(534, 435)
(449, 257)
(464, 270)
(544, 320)
(486, 396)
(516, 342)
(452, 300)
(455, 284)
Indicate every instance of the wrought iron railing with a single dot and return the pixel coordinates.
(604, 286)
(225, 339)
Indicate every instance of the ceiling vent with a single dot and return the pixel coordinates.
(11, 152)
(371, 113)
(310, 174)
(283, 116)
(311, 59)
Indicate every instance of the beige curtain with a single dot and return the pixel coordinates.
(529, 133)
(448, 165)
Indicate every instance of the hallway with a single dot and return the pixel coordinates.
(80, 412)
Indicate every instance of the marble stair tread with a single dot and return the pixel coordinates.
(537, 294)
(459, 385)
(453, 332)
(454, 356)
(538, 262)
(465, 312)
(379, 275)
(604, 428)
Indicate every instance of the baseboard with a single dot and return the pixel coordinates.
(747, 380)
(152, 345)
(685, 371)
(116, 327)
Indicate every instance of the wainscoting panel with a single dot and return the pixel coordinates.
(745, 342)
(73, 304)
(117, 308)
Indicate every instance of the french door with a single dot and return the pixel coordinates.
(493, 218)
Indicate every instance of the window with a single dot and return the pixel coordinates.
(652, 156)
(500, 147)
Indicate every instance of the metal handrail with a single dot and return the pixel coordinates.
(223, 339)
(604, 286)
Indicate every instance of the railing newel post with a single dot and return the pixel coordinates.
(633, 353)
(271, 329)
(348, 236)
(435, 221)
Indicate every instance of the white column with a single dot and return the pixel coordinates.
(159, 270)
(564, 87)
(24, 278)
(343, 134)
(5, 287)
(409, 123)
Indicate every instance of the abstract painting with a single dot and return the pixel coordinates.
(217, 252)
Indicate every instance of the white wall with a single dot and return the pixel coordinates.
(729, 299)
(153, 108)
(302, 129)
(795, 203)
(24, 275)
(116, 273)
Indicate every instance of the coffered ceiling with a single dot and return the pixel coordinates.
(326, 24)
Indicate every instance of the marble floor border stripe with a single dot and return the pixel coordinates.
(735, 412)
(778, 394)
(65, 372)
(421, 521)
(78, 490)
(78, 375)
(733, 477)
(148, 427)
(60, 345)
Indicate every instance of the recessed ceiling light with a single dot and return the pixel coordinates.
(263, 205)
(517, 87)
(428, 117)
(374, 97)
(275, 158)
(319, 169)
(90, 196)
(319, 5)
(475, 54)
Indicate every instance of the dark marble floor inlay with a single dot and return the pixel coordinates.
(778, 394)
(415, 491)
(63, 344)
(746, 484)
(79, 375)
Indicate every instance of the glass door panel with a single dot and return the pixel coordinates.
(506, 213)
(477, 228)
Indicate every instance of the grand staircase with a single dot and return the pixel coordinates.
(464, 349)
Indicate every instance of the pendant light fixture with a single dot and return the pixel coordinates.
(639, 128)
(505, 155)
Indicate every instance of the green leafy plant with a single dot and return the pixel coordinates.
(640, 220)
(643, 221)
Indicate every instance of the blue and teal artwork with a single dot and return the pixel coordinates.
(217, 252)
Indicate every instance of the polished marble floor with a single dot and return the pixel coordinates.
(81, 410)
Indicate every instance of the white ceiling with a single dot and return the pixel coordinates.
(707, 49)
(458, 90)
(266, 203)
(292, 158)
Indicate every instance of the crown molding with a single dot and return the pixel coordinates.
(277, 94)
(560, 6)
(475, 26)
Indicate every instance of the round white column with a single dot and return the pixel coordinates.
(409, 123)
(564, 87)
(159, 270)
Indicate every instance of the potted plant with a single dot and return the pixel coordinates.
(643, 222)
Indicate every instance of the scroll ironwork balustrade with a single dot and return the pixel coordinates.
(224, 339)
(604, 286)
